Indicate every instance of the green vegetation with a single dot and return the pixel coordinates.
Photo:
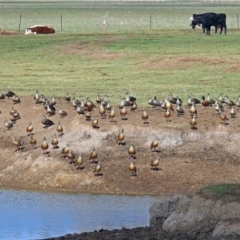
(221, 189)
(144, 62)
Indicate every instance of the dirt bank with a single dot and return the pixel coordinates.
(188, 159)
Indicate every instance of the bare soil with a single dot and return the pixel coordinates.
(188, 159)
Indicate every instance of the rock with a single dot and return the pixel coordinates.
(166, 206)
(229, 228)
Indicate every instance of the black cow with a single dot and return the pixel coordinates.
(206, 20)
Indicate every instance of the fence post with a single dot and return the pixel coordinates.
(61, 23)
(150, 22)
(237, 21)
(20, 20)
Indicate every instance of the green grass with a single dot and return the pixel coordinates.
(86, 61)
(221, 189)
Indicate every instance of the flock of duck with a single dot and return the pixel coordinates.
(105, 110)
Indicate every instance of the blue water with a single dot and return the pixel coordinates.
(38, 215)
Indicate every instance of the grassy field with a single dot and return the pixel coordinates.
(143, 61)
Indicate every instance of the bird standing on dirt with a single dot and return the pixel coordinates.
(59, 129)
(193, 122)
(65, 151)
(232, 112)
(44, 145)
(9, 93)
(46, 122)
(131, 151)
(167, 115)
(223, 117)
(154, 145)
(144, 116)
(29, 129)
(120, 137)
(133, 170)
(111, 115)
(62, 113)
(32, 141)
(8, 125)
(18, 143)
(93, 156)
(54, 142)
(97, 170)
(79, 162)
(154, 164)
(123, 113)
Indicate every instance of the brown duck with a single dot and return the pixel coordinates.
(132, 168)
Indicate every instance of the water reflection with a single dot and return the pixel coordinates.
(37, 215)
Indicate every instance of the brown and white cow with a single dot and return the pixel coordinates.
(39, 29)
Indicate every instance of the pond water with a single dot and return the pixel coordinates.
(38, 215)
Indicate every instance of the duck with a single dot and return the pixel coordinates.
(169, 105)
(205, 103)
(120, 137)
(229, 102)
(111, 115)
(98, 99)
(122, 103)
(221, 98)
(93, 156)
(167, 115)
(65, 150)
(29, 128)
(59, 129)
(13, 119)
(54, 142)
(67, 97)
(108, 107)
(75, 102)
(36, 95)
(53, 101)
(132, 168)
(123, 113)
(9, 93)
(102, 110)
(193, 122)
(104, 102)
(144, 116)
(223, 117)
(131, 151)
(172, 99)
(232, 112)
(150, 102)
(154, 145)
(16, 99)
(18, 143)
(129, 99)
(87, 115)
(71, 156)
(8, 125)
(79, 162)
(179, 110)
(46, 122)
(44, 144)
(134, 107)
(16, 114)
(95, 123)
(218, 107)
(50, 109)
(97, 170)
(32, 141)
(80, 110)
(156, 102)
(192, 100)
(211, 101)
(62, 113)
(193, 110)
(154, 164)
